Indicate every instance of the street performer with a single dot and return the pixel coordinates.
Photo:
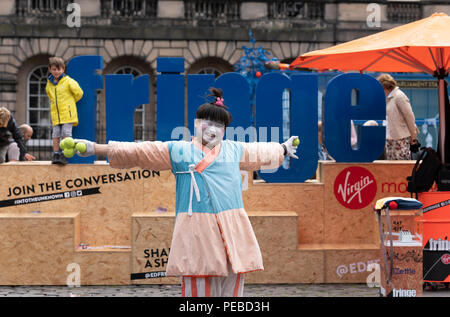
(213, 242)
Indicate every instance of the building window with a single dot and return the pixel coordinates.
(210, 65)
(139, 113)
(38, 107)
(210, 70)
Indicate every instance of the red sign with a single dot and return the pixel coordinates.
(355, 187)
(446, 258)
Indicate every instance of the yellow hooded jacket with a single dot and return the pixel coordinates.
(63, 98)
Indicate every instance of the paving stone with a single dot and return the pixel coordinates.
(250, 290)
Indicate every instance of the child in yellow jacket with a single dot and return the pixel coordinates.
(63, 92)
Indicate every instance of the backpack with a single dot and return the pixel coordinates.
(424, 173)
(443, 179)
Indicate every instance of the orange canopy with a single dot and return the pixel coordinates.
(420, 46)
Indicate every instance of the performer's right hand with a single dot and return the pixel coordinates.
(89, 148)
(290, 147)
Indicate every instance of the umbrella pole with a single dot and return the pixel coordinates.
(441, 91)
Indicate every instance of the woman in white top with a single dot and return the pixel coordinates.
(401, 130)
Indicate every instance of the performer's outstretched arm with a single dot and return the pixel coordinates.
(101, 149)
(267, 155)
(151, 155)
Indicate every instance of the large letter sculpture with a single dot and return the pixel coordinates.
(170, 99)
(339, 111)
(303, 121)
(123, 95)
(84, 70)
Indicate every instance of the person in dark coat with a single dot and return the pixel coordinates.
(17, 136)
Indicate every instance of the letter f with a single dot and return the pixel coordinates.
(83, 70)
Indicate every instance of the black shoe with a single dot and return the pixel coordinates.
(58, 158)
(55, 159)
(62, 159)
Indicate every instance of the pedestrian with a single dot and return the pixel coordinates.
(213, 242)
(323, 154)
(13, 134)
(63, 92)
(4, 133)
(401, 129)
(13, 148)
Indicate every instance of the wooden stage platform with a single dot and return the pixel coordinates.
(115, 226)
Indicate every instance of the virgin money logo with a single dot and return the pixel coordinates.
(355, 187)
(446, 258)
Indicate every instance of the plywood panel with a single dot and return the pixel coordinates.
(36, 249)
(304, 232)
(344, 225)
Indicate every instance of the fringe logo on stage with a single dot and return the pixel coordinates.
(355, 187)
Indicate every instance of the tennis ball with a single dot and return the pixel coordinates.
(62, 144)
(69, 152)
(69, 143)
(296, 142)
(80, 147)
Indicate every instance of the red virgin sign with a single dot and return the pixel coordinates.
(446, 258)
(355, 187)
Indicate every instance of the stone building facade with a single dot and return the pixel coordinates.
(131, 34)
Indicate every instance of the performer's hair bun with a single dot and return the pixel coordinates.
(216, 109)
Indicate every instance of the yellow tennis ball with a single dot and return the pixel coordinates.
(296, 142)
(69, 143)
(62, 144)
(69, 152)
(80, 147)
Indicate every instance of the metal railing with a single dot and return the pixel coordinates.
(219, 10)
(213, 9)
(403, 12)
(109, 8)
(129, 8)
(296, 10)
(42, 7)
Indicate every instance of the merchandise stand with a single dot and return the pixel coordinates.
(400, 229)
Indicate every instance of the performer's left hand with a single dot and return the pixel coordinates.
(90, 150)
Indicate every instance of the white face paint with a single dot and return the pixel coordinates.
(210, 133)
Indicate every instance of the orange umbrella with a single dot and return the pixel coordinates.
(420, 46)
